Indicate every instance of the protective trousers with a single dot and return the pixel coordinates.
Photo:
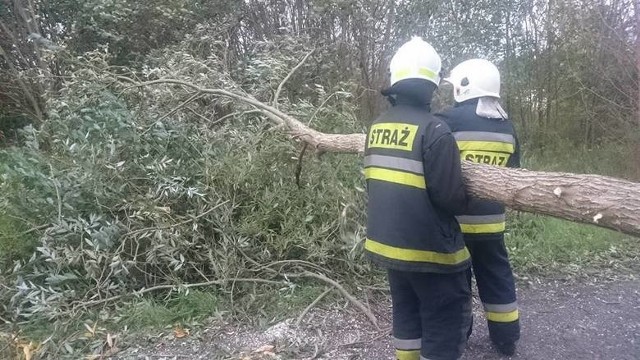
(497, 289)
(431, 314)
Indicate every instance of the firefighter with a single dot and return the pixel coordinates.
(485, 135)
(415, 189)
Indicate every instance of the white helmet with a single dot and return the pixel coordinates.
(416, 59)
(473, 79)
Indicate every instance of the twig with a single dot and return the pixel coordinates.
(289, 262)
(377, 288)
(165, 355)
(55, 184)
(234, 114)
(299, 166)
(37, 228)
(177, 224)
(25, 89)
(274, 114)
(185, 286)
(384, 332)
(316, 353)
(277, 94)
(344, 292)
(200, 272)
(233, 286)
(315, 113)
(183, 104)
(224, 118)
(314, 303)
(198, 115)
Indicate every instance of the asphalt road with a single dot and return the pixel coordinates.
(559, 320)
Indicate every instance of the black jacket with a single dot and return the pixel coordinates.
(488, 141)
(415, 188)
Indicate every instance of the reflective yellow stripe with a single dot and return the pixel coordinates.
(395, 176)
(406, 73)
(465, 145)
(502, 317)
(417, 255)
(483, 228)
(407, 354)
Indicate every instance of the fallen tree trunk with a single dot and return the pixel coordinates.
(599, 200)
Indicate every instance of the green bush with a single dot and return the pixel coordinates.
(126, 201)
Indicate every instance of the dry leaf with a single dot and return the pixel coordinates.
(265, 349)
(180, 332)
(114, 350)
(91, 330)
(27, 352)
(109, 340)
(28, 349)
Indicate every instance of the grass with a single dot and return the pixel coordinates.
(290, 302)
(190, 307)
(15, 241)
(605, 160)
(186, 310)
(541, 245)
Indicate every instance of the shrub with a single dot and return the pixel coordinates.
(127, 198)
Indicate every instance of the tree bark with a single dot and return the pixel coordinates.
(593, 199)
(599, 200)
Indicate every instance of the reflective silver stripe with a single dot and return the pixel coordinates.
(424, 358)
(481, 219)
(393, 162)
(501, 308)
(483, 136)
(404, 344)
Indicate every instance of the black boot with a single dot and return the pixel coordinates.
(505, 348)
(504, 336)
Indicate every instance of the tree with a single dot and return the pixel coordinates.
(592, 199)
(592, 69)
(21, 60)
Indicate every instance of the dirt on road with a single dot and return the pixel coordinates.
(560, 320)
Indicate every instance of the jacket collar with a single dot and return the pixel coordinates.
(469, 102)
(413, 102)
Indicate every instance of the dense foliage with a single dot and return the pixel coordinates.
(109, 188)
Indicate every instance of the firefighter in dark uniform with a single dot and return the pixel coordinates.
(484, 134)
(415, 189)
